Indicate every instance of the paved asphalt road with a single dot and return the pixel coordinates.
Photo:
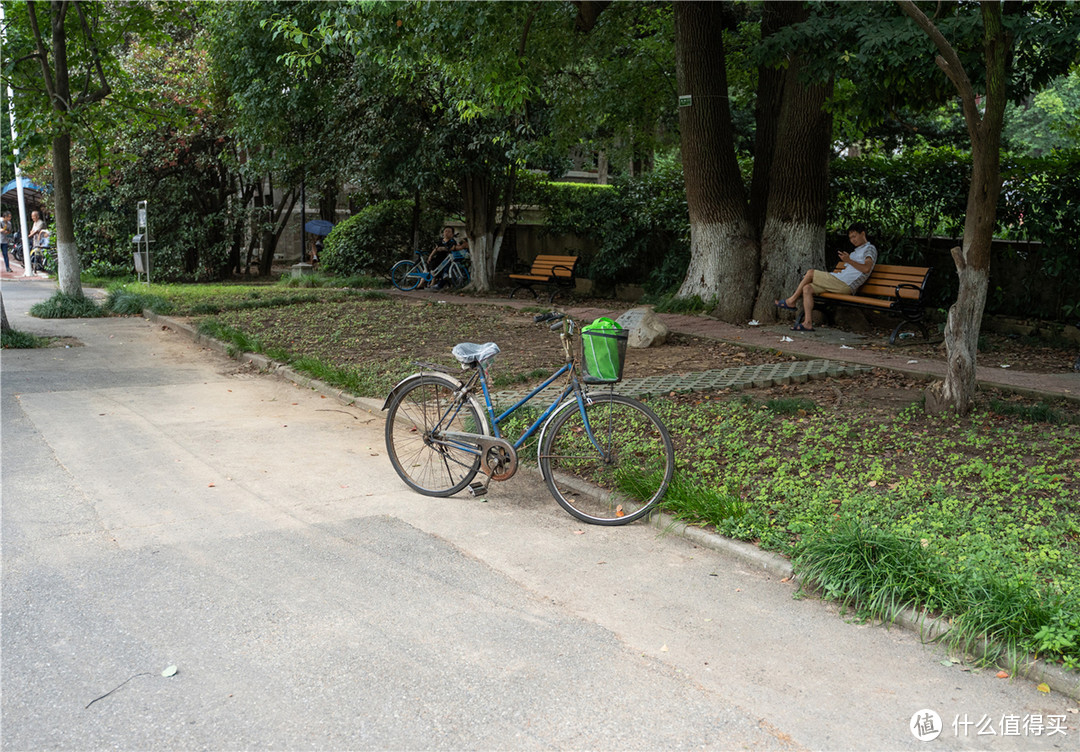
(165, 506)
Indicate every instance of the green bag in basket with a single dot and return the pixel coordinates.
(603, 343)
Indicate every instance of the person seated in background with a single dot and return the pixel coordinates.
(441, 250)
(858, 265)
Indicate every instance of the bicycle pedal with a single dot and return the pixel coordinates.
(477, 489)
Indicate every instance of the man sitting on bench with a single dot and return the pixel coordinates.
(859, 263)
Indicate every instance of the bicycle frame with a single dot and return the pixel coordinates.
(573, 386)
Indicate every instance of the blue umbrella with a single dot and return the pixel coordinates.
(318, 227)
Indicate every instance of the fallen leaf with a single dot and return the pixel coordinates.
(872, 483)
(946, 663)
(619, 511)
(1044, 687)
(1003, 674)
(786, 579)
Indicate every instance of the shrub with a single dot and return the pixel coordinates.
(61, 306)
(638, 224)
(13, 339)
(370, 241)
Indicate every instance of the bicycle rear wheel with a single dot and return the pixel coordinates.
(623, 479)
(406, 275)
(419, 414)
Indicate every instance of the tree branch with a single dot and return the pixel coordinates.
(948, 61)
(86, 97)
(525, 31)
(42, 53)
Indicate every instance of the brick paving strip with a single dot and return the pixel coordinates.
(742, 377)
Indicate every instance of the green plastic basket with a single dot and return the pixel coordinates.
(603, 345)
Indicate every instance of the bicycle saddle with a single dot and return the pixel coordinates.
(468, 353)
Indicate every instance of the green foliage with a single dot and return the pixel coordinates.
(13, 339)
(976, 515)
(127, 303)
(638, 224)
(1043, 412)
(879, 573)
(922, 193)
(62, 306)
(370, 241)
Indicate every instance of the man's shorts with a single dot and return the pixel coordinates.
(825, 282)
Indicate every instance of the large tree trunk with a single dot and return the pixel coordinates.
(723, 246)
(69, 270)
(482, 228)
(793, 234)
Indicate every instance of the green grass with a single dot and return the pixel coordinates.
(61, 306)
(127, 303)
(1043, 412)
(212, 299)
(13, 339)
(878, 574)
(976, 517)
(363, 379)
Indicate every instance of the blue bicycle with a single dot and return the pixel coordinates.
(607, 459)
(409, 274)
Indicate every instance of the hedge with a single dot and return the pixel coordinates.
(370, 241)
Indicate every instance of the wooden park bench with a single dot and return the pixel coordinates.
(890, 289)
(555, 272)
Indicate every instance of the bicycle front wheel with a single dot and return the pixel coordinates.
(419, 415)
(406, 275)
(613, 469)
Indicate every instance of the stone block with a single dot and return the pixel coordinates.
(644, 327)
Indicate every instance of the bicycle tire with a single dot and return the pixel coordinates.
(428, 403)
(403, 275)
(620, 488)
(459, 275)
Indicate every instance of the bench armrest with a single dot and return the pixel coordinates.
(909, 286)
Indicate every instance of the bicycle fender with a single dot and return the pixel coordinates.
(567, 404)
(450, 381)
(397, 387)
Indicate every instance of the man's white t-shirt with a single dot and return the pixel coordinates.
(851, 276)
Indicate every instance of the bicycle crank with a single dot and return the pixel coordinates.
(498, 458)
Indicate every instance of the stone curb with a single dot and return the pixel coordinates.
(1059, 679)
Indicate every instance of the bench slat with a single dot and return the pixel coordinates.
(546, 268)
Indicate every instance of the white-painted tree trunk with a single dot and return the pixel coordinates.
(721, 272)
(68, 268)
(482, 250)
(788, 250)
